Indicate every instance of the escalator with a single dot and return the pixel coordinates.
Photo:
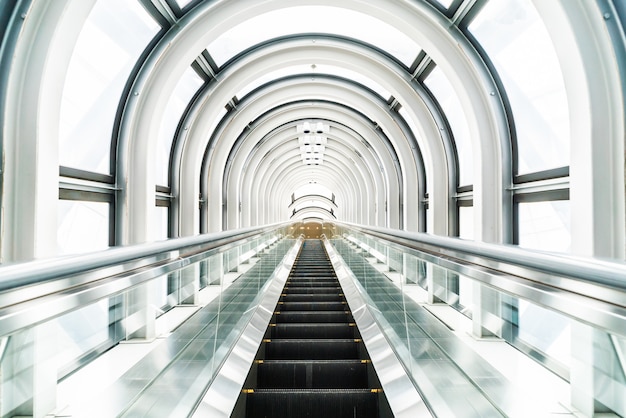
(312, 361)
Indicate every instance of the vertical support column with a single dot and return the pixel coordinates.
(217, 269)
(487, 313)
(190, 284)
(439, 282)
(30, 148)
(140, 318)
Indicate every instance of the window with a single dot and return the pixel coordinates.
(161, 222)
(445, 3)
(544, 225)
(82, 226)
(183, 3)
(110, 42)
(187, 86)
(466, 222)
(449, 102)
(316, 69)
(520, 48)
(313, 19)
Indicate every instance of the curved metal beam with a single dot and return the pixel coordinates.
(303, 198)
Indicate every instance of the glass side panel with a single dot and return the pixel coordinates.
(313, 19)
(545, 330)
(82, 226)
(524, 324)
(466, 222)
(443, 91)
(316, 69)
(109, 44)
(80, 332)
(516, 40)
(545, 225)
(187, 86)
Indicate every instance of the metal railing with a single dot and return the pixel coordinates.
(39, 290)
(589, 290)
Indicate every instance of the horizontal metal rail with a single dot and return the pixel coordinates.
(39, 290)
(589, 290)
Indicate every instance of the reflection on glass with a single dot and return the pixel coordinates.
(545, 330)
(518, 44)
(316, 69)
(545, 225)
(82, 226)
(443, 91)
(81, 331)
(466, 222)
(187, 86)
(313, 19)
(109, 44)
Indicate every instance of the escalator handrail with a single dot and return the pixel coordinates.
(502, 257)
(38, 271)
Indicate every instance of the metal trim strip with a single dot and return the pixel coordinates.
(222, 394)
(403, 397)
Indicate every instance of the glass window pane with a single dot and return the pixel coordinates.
(443, 91)
(518, 44)
(313, 19)
(161, 223)
(109, 44)
(409, 120)
(317, 69)
(82, 226)
(545, 225)
(187, 86)
(466, 222)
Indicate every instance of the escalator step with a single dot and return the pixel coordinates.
(312, 362)
(318, 297)
(312, 316)
(313, 331)
(334, 403)
(312, 306)
(301, 289)
(312, 283)
(313, 374)
(312, 350)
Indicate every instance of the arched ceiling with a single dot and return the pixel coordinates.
(413, 98)
(247, 163)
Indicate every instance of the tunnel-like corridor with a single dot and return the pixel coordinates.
(461, 161)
